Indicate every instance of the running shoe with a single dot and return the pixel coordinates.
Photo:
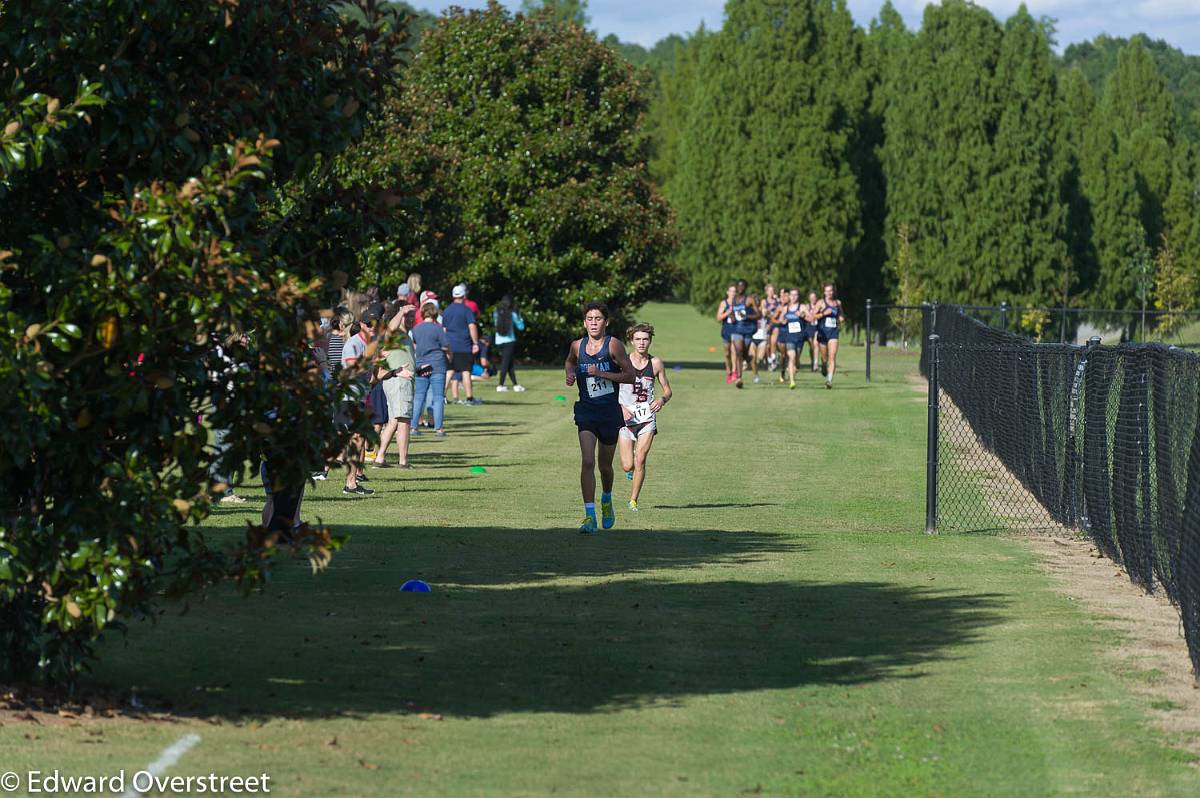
(829, 384)
(362, 478)
(501, 389)
(588, 526)
(232, 498)
(320, 476)
(756, 379)
(792, 385)
(358, 490)
(376, 464)
(738, 382)
(519, 388)
(473, 402)
(608, 516)
(440, 433)
(629, 475)
(728, 377)
(633, 506)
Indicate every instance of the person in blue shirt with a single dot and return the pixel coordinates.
(597, 363)
(462, 333)
(507, 322)
(429, 388)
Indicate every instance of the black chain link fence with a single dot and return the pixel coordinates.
(1104, 439)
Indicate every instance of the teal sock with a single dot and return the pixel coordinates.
(589, 508)
(606, 498)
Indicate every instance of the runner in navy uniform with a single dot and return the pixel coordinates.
(770, 307)
(810, 331)
(794, 325)
(829, 319)
(640, 408)
(745, 315)
(596, 363)
(725, 316)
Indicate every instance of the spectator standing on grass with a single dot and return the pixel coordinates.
(223, 375)
(431, 352)
(471, 303)
(377, 398)
(405, 296)
(334, 344)
(339, 328)
(353, 352)
(462, 333)
(422, 299)
(507, 322)
(396, 376)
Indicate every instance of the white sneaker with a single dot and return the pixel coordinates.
(519, 388)
(501, 389)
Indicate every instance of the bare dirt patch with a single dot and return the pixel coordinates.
(1153, 656)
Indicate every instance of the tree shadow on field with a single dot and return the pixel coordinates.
(699, 365)
(713, 506)
(510, 627)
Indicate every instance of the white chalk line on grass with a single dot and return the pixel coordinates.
(169, 756)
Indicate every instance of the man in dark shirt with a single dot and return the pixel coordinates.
(462, 333)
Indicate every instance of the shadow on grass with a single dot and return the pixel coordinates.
(496, 635)
(715, 506)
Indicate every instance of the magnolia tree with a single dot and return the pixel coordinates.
(168, 184)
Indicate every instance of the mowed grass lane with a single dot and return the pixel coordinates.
(773, 621)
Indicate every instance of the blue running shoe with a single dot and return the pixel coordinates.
(607, 514)
(588, 526)
(629, 476)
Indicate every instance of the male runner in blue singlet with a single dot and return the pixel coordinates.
(597, 363)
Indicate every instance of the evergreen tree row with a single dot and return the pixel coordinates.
(795, 147)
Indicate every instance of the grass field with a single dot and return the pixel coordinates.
(772, 622)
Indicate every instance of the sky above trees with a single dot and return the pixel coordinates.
(1175, 21)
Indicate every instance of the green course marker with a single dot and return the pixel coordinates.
(560, 398)
(478, 470)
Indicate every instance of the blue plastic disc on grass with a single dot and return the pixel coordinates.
(415, 586)
(676, 368)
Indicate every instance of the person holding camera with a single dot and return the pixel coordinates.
(396, 374)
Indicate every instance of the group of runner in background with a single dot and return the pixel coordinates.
(773, 329)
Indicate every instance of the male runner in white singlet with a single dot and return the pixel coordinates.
(640, 407)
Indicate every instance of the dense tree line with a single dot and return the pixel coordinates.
(795, 146)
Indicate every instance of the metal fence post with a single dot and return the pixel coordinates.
(931, 444)
(1062, 327)
(868, 340)
(1004, 315)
